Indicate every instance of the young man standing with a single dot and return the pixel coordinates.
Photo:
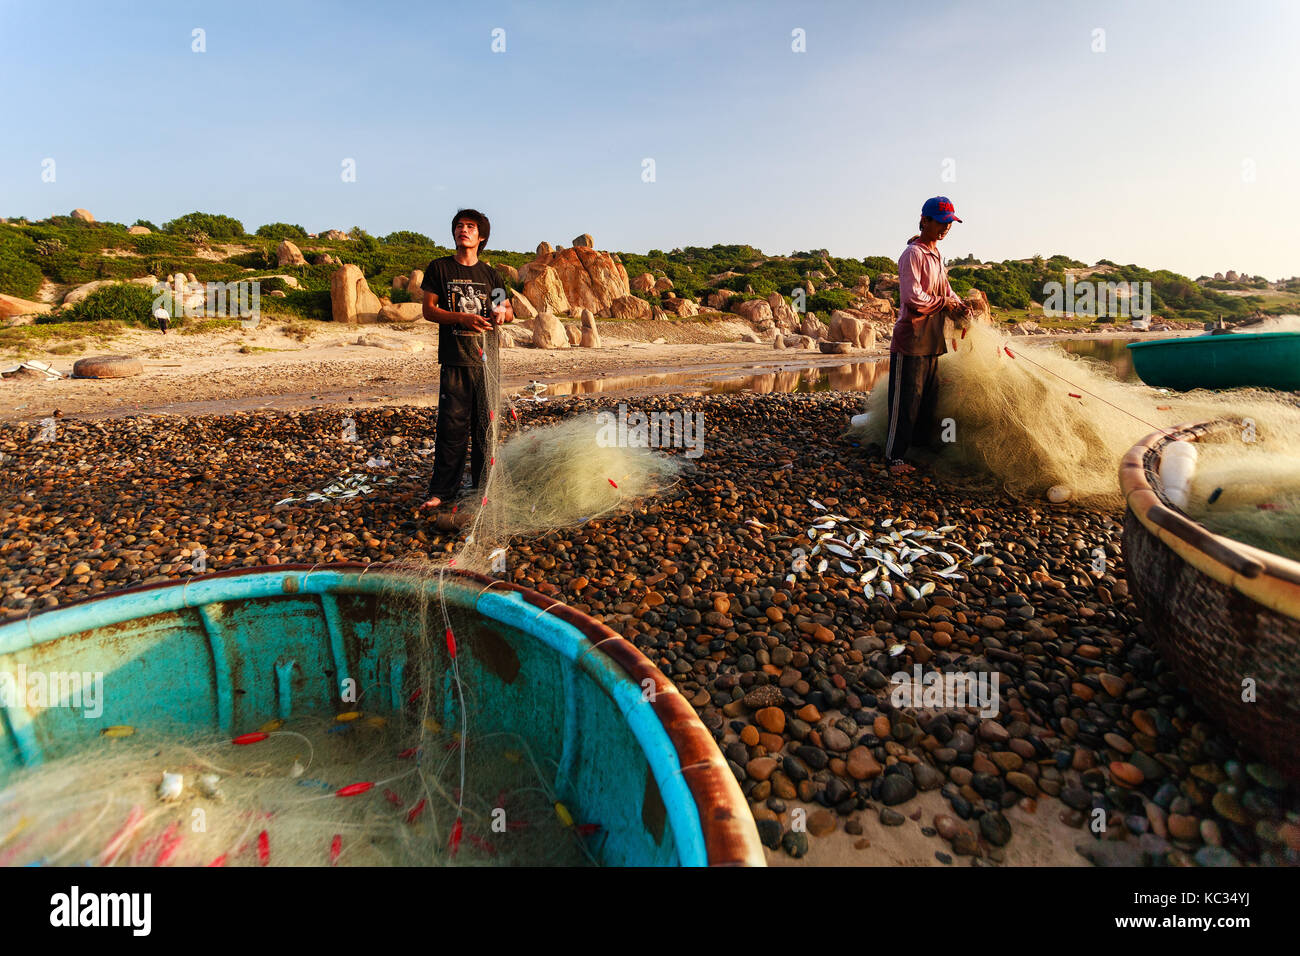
(924, 300)
(467, 300)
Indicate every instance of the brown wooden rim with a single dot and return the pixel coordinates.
(1258, 574)
(730, 836)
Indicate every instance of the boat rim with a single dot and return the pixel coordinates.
(1200, 339)
(1266, 578)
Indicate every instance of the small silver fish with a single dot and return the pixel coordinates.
(887, 522)
(822, 565)
(947, 528)
(171, 787)
(869, 591)
(981, 559)
(897, 649)
(839, 552)
(847, 568)
(911, 592)
(926, 588)
(817, 504)
(870, 575)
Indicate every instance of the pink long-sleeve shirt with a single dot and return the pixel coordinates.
(923, 296)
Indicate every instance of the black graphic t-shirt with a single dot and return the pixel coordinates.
(462, 289)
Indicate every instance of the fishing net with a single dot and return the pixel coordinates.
(1038, 417)
(421, 772)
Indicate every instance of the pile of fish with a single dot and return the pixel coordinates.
(855, 553)
(348, 485)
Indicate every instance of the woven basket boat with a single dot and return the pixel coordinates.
(1223, 614)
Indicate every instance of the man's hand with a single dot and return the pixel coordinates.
(503, 313)
(475, 322)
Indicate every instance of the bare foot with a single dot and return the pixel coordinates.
(430, 504)
(900, 468)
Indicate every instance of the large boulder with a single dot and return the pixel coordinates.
(524, 310)
(287, 254)
(753, 310)
(662, 285)
(333, 234)
(573, 334)
(719, 298)
(630, 307)
(590, 279)
(886, 284)
(590, 338)
(784, 316)
(507, 272)
(546, 292)
(645, 282)
(401, 312)
(682, 308)
(584, 241)
(549, 332)
(413, 282)
(812, 327)
(399, 282)
(800, 342)
(877, 308)
(82, 215)
(139, 231)
(544, 249)
(80, 292)
(350, 297)
(846, 327)
(11, 305)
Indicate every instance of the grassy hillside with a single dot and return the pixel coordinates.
(66, 252)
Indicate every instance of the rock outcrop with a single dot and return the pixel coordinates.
(546, 292)
(401, 312)
(287, 254)
(350, 297)
(585, 241)
(755, 311)
(682, 308)
(630, 307)
(82, 215)
(590, 338)
(589, 279)
(524, 310)
(645, 282)
(549, 332)
(784, 316)
(80, 293)
(333, 234)
(139, 231)
(11, 305)
(846, 327)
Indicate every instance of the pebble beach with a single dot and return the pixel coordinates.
(790, 671)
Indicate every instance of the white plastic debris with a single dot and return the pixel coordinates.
(171, 787)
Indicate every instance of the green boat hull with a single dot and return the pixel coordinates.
(1237, 360)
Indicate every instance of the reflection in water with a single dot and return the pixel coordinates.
(1111, 352)
(853, 377)
(859, 376)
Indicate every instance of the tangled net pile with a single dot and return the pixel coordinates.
(430, 781)
(1037, 417)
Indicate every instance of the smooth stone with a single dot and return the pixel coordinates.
(995, 828)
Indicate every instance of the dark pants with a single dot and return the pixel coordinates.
(462, 410)
(913, 392)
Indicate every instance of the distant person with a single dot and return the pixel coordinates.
(459, 292)
(925, 299)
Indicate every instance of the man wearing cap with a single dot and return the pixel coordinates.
(925, 300)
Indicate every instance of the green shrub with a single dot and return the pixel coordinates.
(281, 230)
(146, 223)
(830, 300)
(18, 276)
(213, 225)
(404, 237)
(126, 302)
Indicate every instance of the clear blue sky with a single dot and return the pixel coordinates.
(1134, 154)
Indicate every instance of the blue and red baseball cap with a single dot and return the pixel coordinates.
(940, 209)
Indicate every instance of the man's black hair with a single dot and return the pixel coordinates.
(484, 227)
